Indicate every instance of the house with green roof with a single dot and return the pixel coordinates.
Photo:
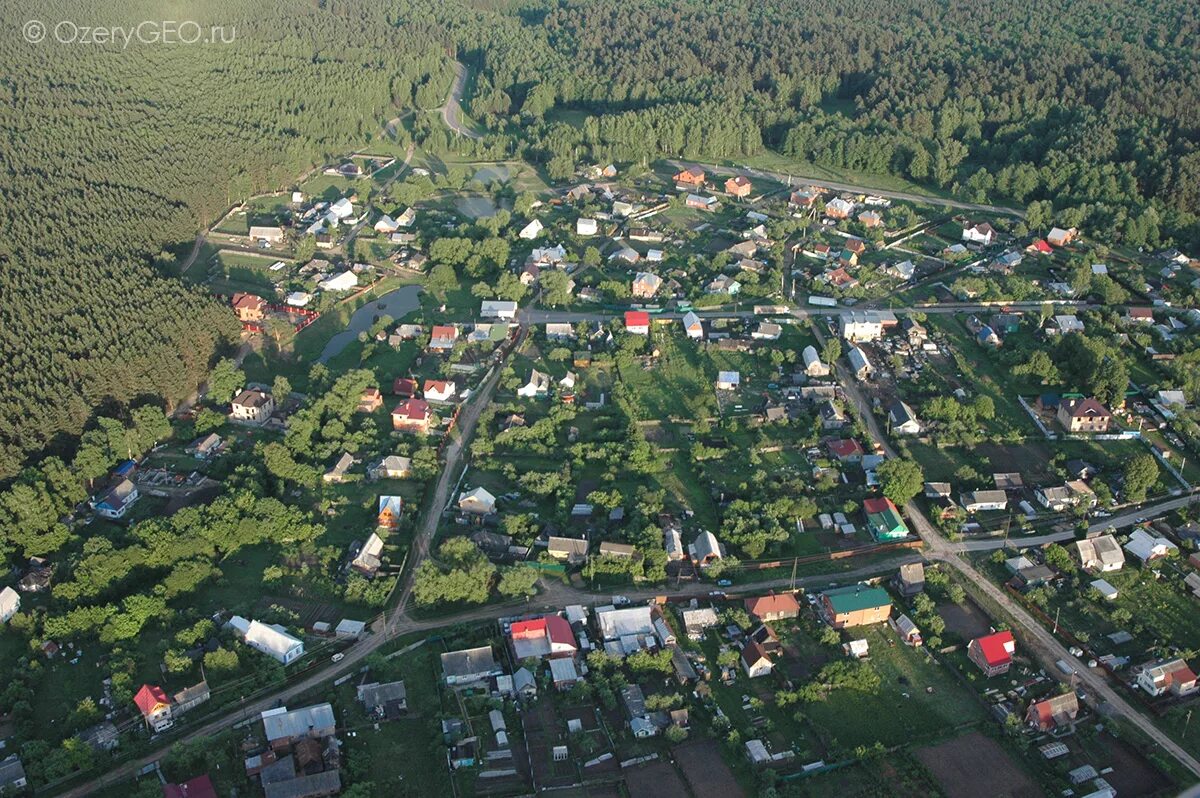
(884, 521)
(855, 605)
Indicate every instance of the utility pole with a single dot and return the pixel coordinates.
(795, 561)
(1056, 613)
(1186, 722)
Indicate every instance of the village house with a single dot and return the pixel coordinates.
(637, 322)
(1054, 715)
(832, 417)
(984, 500)
(1162, 677)
(813, 367)
(1083, 415)
(645, 285)
(531, 230)
(339, 470)
(1101, 553)
(870, 219)
(443, 337)
(728, 380)
(117, 500)
(199, 787)
(252, 405)
(152, 702)
(368, 559)
(439, 390)
(391, 467)
(621, 551)
(883, 519)
(370, 401)
(910, 579)
(696, 621)
(846, 450)
(855, 605)
(10, 604)
(573, 550)
(387, 699)
(412, 415)
(249, 307)
(477, 502)
(469, 666)
(586, 227)
(498, 309)
(859, 364)
(547, 636)
(390, 509)
(1148, 547)
(755, 661)
(692, 326)
(992, 653)
(902, 420)
(706, 549)
(773, 607)
(981, 233)
(1057, 237)
(839, 208)
(272, 640)
(691, 177)
(738, 186)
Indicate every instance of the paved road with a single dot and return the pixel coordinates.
(1045, 646)
(452, 110)
(855, 187)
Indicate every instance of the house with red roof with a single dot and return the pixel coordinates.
(412, 415)
(1039, 247)
(773, 607)
(547, 636)
(846, 450)
(637, 322)
(993, 653)
(404, 387)
(199, 787)
(443, 337)
(155, 706)
(439, 390)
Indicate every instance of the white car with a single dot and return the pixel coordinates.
(338, 657)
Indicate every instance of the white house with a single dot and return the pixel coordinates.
(979, 234)
(983, 500)
(767, 331)
(755, 661)
(538, 385)
(859, 325)
(531, 230)
(692, 325)
(10, 603)
(902, 419)
(1101, 553)
(117, 501)
(477, 501)
(345, 281)
(498, 309)
(272, 235)
(813, 366)
(342, 209)
(1147, 547)
(386, 224)
(274, 641)
(1167, 676)
(728, 380)
(586, 227)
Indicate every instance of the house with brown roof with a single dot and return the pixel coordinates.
(253, 405)
(1083, 415)
(773, 607)
(443, 337)
(1053, 714)
(249, 307)
(755, 661)
(693, 176)
(738, 186)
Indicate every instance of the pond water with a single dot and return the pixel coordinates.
(396, 304)
(476, 207)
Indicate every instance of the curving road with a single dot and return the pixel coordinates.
(452, 109)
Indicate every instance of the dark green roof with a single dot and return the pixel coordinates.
(857, 597)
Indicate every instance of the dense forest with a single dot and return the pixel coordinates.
(114, 158)
(1090, 105)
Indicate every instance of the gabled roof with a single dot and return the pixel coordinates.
(150, 697)
(845, 447)
(772, 605)
(1086, 407)
(298, 722)
(637, 318)
(199, 787)
(856, 597)
(996, 648)
(412, 410)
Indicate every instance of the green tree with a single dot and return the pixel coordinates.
(224, 382)
(1141, 472)
(900, 480)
